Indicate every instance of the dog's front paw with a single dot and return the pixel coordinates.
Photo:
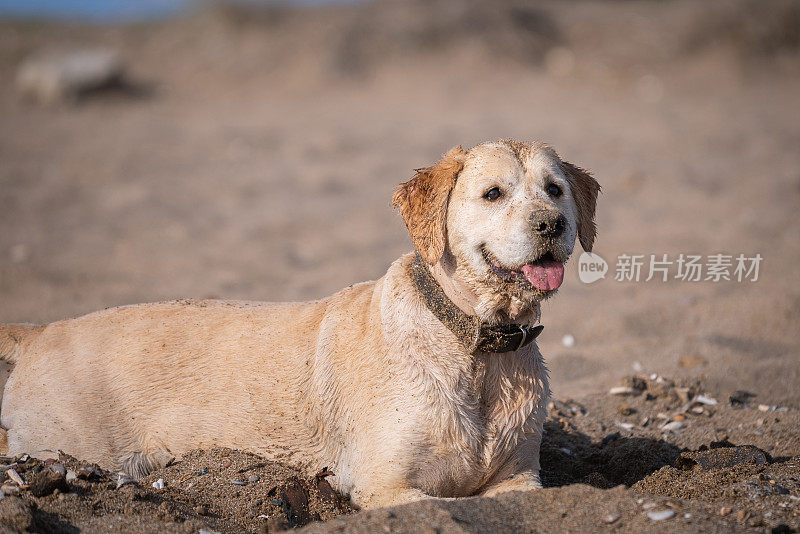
(390, 498)
(521, 482)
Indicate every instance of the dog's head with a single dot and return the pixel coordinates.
(502, 219)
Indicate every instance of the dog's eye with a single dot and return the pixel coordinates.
(493, 194)
(554, 191)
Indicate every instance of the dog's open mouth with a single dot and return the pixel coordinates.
(545, 273)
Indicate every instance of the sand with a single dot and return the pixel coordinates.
(254, 155)
(606, 464)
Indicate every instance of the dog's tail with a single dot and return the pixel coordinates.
(14, 337)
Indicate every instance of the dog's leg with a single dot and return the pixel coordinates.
(519, 473)
(393, 497)
(139, 464)
(519, 482)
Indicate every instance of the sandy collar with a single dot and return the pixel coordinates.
(473, 334)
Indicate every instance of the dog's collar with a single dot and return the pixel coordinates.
(473, 334)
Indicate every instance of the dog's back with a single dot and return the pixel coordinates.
(126, 386)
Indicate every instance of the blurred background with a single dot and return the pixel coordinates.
(154, 150)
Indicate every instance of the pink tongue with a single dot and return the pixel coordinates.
(545, 275)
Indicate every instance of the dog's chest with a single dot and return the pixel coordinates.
(478, 424)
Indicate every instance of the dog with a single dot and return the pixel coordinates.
(425, 383)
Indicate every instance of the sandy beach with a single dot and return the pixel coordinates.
(252, 152)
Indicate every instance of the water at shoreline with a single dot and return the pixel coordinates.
(113, 11)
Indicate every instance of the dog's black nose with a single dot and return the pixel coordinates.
(548, 223)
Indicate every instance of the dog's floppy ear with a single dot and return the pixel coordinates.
(584, 190)
(422, 202)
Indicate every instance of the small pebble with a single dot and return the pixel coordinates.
(238, 482)
(648, 505)
(202, 472)
(159, 484)
(59, 469)
(568, 340)
(71, 475)
(781, 490)
(276, 502)
(626, 426)
(741, 515)
(660, 516)
(13, 475)
(254, 478)
(679, 418)
(763, 408)
(624, 409)
(621, 390)
(725, 510)
(611, 518)
(673, 426)
(123, 479)
(201, 509)
(687, 515)
(703, 399)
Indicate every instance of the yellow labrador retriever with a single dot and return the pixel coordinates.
(423, 383)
